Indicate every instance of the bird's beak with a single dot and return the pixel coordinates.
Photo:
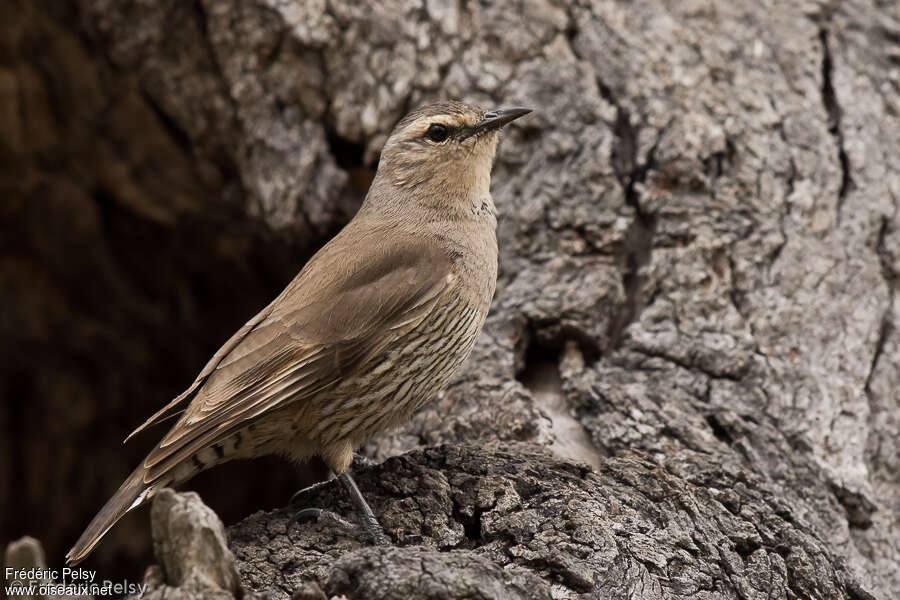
(495, 119)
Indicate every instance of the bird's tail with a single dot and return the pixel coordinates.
(130, 495)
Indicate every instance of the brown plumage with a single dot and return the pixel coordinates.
(371, 328)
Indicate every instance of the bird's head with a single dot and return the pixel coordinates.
(441, 155)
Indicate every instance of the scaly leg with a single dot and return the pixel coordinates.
(369, 521)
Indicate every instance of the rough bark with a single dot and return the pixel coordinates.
(700, 247)
(527, 523)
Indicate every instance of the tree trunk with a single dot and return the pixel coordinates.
(689, 384)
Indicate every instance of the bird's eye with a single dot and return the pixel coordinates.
(437, 132)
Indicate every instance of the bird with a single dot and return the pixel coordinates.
(370, 329)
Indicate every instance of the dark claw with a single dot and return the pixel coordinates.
(296, 496)
(299, 493)
(323, 517)
(308, 514)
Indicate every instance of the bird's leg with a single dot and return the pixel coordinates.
(369, 521)
(368, 517)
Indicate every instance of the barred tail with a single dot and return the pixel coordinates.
(131, 494)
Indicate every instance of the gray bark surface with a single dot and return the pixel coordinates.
(700, 243)
(515, 522)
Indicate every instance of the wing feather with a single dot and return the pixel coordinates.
(171, 409)
(343, 309)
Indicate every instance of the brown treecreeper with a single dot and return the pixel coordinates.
(373, 326)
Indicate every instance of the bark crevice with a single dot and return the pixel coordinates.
(834, 111)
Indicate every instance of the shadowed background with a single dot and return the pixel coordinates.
(125, 262)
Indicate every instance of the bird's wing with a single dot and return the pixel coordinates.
(172, 408)
(344, 307)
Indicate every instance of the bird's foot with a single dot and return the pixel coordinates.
(308, 514)
(320, 515)
(370, 523)
(308, 488)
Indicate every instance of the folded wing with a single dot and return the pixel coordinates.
(343, 308)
